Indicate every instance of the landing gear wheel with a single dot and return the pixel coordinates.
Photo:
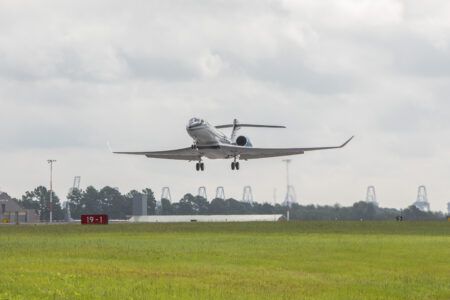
(197, 166)
(202, 166)
(237, 165)
(233, 166)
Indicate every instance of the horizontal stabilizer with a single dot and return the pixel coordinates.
(248, 125)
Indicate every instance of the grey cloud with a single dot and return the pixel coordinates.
(405, 118)
(295, 74)
(75, 75)
(160, 68)
(418, 57)
(48, 136)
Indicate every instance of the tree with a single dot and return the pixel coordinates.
(39, 199)
(114, 204)
(235, 207)
(265, 208)
(217, 206)
(151, 201)
(30, 201)
(166, 207)
(75, 198)
(363, 210)
(413, 213)
(91, 201)
(186, 206)
(200, 205)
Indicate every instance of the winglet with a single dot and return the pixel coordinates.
(348, 141)
(109, 147)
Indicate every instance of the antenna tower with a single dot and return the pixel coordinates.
(220, 193)
(247, 195)
(371, 195)
(290, 197)
(422, 199)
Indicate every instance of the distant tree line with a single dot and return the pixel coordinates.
(110, 201)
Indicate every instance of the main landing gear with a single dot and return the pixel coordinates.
(200, 166)
(235, 165)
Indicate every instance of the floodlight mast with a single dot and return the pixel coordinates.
(287, 161)
(51, 161)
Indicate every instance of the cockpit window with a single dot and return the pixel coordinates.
(195, 121)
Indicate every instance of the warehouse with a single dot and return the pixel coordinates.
(11, 212)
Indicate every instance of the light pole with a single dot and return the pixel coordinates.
(287, 161)
(287, 198)
(51, 161)
(290, 197)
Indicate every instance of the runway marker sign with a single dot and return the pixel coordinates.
(94, 219)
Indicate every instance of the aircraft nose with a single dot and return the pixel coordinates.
(190, 125)
(193, 123)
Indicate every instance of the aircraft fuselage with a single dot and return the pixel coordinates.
(208, 139)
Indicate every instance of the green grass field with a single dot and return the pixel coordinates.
(295, 260)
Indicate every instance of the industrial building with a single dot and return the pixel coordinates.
(11, 212)
(140, 205)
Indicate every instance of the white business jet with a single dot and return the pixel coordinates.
(210, 142)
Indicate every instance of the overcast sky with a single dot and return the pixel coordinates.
(76, 74)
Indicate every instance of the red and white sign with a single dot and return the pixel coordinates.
(94, 219)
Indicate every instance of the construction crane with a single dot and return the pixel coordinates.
(371, 195)
(202, 192)
(66, 205)
(291, 196)
(165, 194)
(220, 193)
(422, 199)
(247, 194)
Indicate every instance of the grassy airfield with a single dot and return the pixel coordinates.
(296, 260)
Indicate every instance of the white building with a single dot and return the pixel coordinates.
(203, 218)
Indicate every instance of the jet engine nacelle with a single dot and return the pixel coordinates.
(243, 141)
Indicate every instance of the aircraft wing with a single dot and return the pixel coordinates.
(253, 153)
(179, 154)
